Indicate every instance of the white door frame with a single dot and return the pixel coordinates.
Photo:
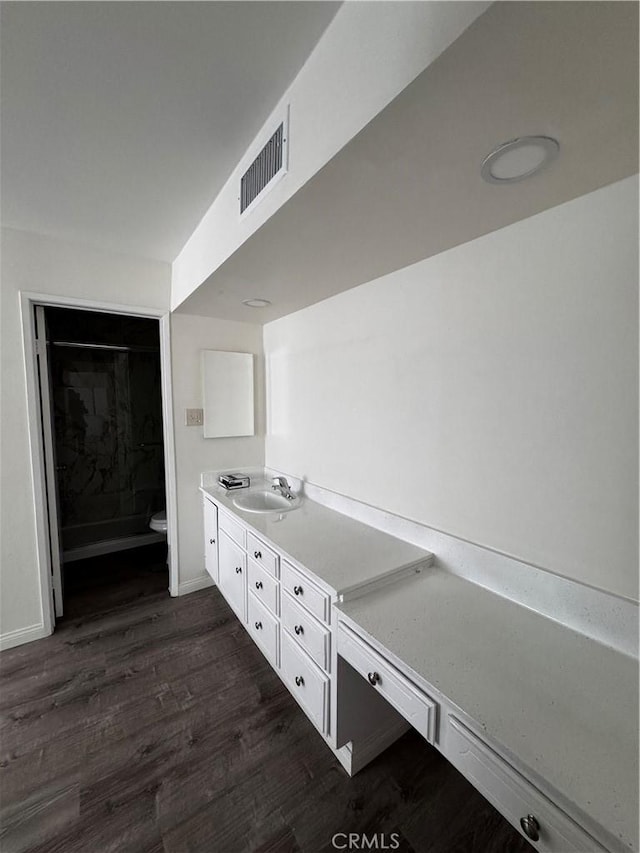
(49, 450)
(28, 301)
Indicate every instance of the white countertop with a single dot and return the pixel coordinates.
(341, 552)
(559, 703)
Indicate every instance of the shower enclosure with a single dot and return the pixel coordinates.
(107, 424)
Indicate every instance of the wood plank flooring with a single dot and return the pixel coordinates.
(148, 724)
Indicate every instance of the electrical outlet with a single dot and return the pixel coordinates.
(194, 417)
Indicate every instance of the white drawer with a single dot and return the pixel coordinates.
(264, 628)
(414, 705)
(307, 683)
(305, 592)
(306, 630)
(259, 552)
(513, 795)
(233, 528)
(263, 585)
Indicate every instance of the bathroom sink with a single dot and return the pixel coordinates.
(265, 501)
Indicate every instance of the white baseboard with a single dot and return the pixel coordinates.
(193, 585)
(38, 632)
(22, 635)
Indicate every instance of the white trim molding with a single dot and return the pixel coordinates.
(23, 635)
(27, 302)
(193, 585)
(171, 481)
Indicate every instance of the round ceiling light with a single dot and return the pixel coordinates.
(518, 159)
(256, 303)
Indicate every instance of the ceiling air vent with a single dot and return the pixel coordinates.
(264, 172)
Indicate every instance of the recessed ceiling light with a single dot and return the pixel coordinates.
(518, 159)
(256, 303)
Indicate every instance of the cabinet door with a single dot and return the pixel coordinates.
(211, 539)
(263, 627)
(232, 575)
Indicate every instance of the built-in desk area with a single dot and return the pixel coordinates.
(539, 717)
(528, 687)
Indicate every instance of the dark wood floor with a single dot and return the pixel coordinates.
(150, 724)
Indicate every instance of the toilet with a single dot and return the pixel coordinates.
(159, 522)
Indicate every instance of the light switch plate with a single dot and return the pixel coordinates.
(194, 417)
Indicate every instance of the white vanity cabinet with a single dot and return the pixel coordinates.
(282, 586)
(211, 538)
(232, 574)
(306, 642)
(370, 637)
(284, 610)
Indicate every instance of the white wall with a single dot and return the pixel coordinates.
(490, 392)
(367, 55)
(44, 265)
(34, 263)
(195, 454)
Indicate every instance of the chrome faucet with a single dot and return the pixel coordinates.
(281, 485)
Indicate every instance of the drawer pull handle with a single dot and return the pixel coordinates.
(530, 827)
(238, 570)
(258, 584)
(373, 677)
(298, 629)
(257, 555)
(258, 626)
(299, 680)
(212, 541)
(297, 590)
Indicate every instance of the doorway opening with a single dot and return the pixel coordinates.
(103, 423)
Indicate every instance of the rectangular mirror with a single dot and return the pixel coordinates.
(227, 393)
